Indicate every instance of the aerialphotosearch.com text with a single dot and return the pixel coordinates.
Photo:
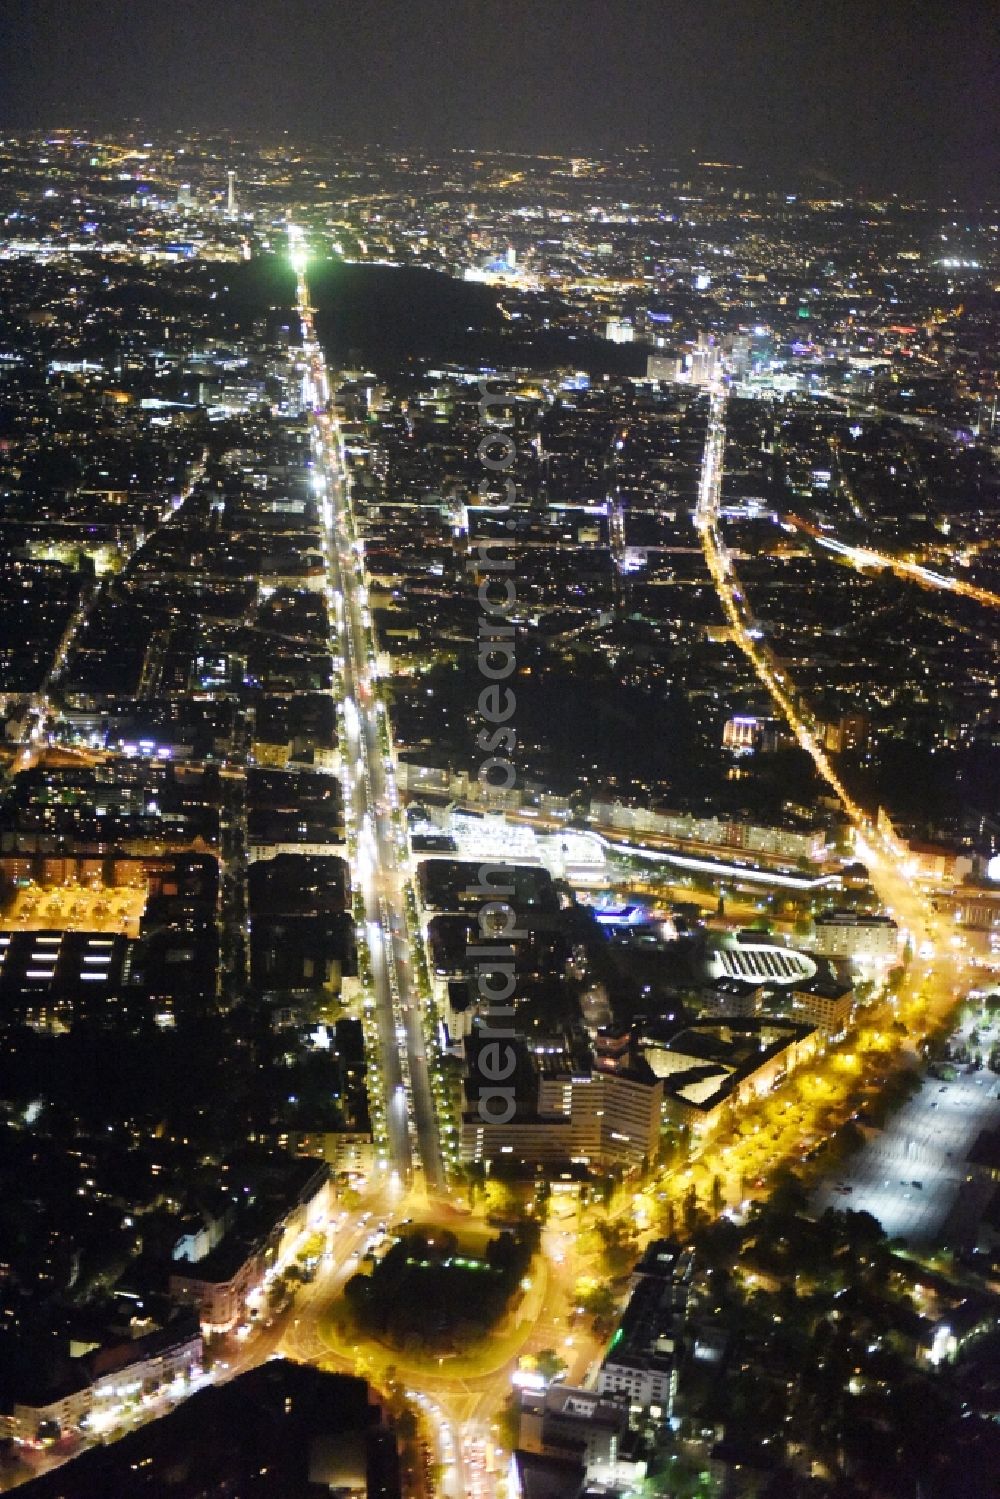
(493, 954)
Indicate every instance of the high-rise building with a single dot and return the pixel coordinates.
(704, 360)
(231, 194)
(642, 1361)
(825, 1003)
(850, 934)
(848, 734)
(572, 1109)
(619, 330)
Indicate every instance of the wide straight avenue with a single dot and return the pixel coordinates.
(371, 800)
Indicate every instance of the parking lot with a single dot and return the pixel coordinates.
(925, 1143)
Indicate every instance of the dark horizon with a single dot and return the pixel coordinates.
(902, 98)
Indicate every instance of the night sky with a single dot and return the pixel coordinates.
(881, 93)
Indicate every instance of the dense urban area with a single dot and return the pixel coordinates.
(614, 541)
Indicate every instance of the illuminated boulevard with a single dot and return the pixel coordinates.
(459, 1396)
(931, 936)
(456, 1406)
(371, 801)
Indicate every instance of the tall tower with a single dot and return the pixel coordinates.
(231, 195)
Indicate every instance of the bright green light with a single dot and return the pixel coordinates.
(297, 251)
